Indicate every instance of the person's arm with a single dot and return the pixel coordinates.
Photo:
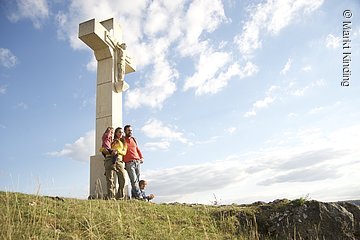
(119, 147)
(151, 196)
(139, 153)
(122, 148)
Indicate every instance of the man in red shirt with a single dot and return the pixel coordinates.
(133, 158)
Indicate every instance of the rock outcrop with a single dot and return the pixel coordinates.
(300, 219)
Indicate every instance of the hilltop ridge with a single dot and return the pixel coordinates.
(34, 217)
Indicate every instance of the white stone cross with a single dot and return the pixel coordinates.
(105, 38)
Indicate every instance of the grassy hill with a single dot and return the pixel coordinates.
(25, 216)
(34, 217)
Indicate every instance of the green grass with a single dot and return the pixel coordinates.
(25, 216)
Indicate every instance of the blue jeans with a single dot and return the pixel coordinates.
(133, 170)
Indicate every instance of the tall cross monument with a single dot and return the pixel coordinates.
(105, 38)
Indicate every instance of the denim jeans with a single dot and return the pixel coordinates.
(133, 170)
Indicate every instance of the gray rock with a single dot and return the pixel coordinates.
(301, 219)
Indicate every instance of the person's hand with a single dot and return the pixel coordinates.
(141, 160)
(151, 196)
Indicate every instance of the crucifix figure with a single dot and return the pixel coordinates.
(119, 65)
(105, 38)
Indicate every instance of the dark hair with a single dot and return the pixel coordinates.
(121, 139)
(142, 182)
(126, 127)
(116, 130)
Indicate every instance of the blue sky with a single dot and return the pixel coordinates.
(235, 99)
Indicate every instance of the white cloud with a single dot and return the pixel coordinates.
(154, 146)
(213, 73)
(302, 161)
(201, 16)
(156, 129)
(275, 93)
(157, 19)
(92, 65)
(332, 41)
(249, 70)
(301, 91)
(160, 86)
(129, 14)
(263, 103)
(209, 64)
(35, 10)
(303, 175)
(270, 18)
(251, 113)
(286, 68)
(292, 115)
(22, 105)
(80, 150)
(164, 183)
(231, 130)
(7, 58)
(151, 30)
(316, 110)
(307, 68)
(2, 89)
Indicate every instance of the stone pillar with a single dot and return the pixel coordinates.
(108, 101)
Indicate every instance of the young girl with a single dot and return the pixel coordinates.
(107, 138)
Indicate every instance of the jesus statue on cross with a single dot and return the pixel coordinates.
(120, 62)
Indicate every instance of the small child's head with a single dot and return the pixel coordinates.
(109, 129)
(142, 184)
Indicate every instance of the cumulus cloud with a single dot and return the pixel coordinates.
(154, 31)
(218, 174)
(301, 160)
(214, 70)
(154, 128)
(92, 65)
(303, 175)
(130, 14)
(263, 103)
(200, 17)
(2, 89)
(160, 86)
(231, 130)
(7, 58)
(286, 67)
(300, 91)
(311, 157)
(307, 68)
(35, 10)
(271, 17)
(22, 105)
(153, 146)
(157, 18)
(316, 110)
(332, 41)
(80, 150)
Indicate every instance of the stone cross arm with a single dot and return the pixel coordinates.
(97, 36)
